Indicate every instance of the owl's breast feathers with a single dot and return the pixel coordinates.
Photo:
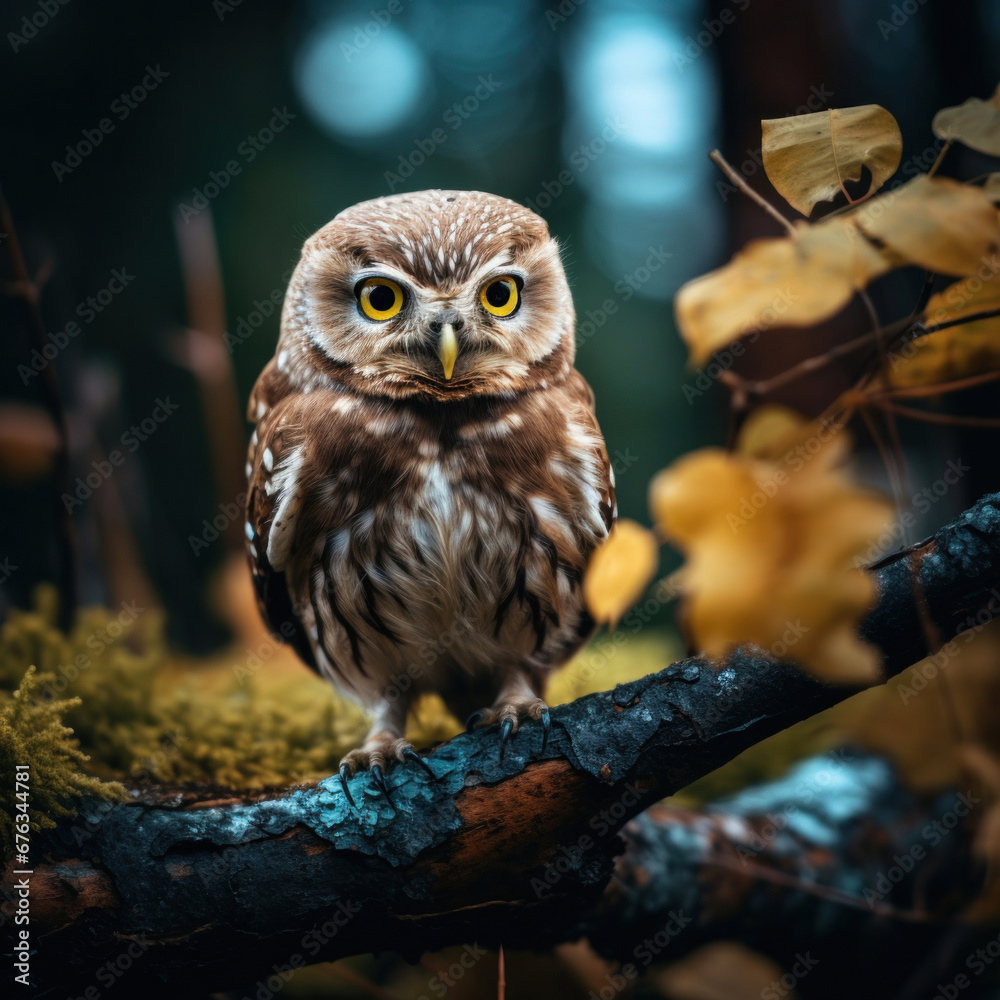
(384, 534)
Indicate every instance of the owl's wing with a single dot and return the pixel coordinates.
(581, 393)
(274, 504)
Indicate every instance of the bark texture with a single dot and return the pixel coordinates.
(212, 890)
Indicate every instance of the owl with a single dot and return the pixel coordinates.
(427, 478)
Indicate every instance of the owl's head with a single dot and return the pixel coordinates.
(445, 294)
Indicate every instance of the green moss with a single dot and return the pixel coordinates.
(110, 702)
(32, 732)
(141, 716)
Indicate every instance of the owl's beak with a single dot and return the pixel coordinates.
(448, 349)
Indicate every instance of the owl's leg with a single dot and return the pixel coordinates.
(384, 745)
(517, 700)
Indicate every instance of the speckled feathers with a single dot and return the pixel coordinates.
(402, 524)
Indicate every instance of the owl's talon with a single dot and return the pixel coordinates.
(410, 754)
(378, 776)
(345, 773)
(506, 727)
(546, 726)
(473, 720)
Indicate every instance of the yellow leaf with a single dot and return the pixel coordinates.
(789, 281)
(958, 351)
(770, 549)
(620, 570)
(809, 157)
(779, 434)
(975, 124)
(935, 223)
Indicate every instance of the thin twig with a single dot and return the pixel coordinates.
(203, 348)
(827, 892)
(720, 161)
(940, 157)
(945, 419)
(971, 318)
(937, 388)
(904, 328)
(897, 470)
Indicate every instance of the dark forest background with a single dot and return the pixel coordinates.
(600, 114)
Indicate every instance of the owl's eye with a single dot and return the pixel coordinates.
(501, 296)
(380, 298)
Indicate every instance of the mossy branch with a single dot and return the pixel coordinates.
(221, 889)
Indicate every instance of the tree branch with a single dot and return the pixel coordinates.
(220, 888)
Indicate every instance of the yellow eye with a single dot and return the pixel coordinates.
(500, 297)
(380, 298)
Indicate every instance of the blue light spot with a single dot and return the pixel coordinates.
(361, 81)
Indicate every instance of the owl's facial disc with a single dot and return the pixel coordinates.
(455, 330)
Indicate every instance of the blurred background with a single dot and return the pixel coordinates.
(164, 163)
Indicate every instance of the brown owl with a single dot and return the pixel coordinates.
(427, 477)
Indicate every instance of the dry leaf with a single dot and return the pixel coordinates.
(790, 281)
(967, 349)
(939, 224)
(809, 157)
(620, 570)
(975, 124)
(770, 549)
(723, 970)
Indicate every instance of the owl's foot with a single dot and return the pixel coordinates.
(376, 756)
(507, 713)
